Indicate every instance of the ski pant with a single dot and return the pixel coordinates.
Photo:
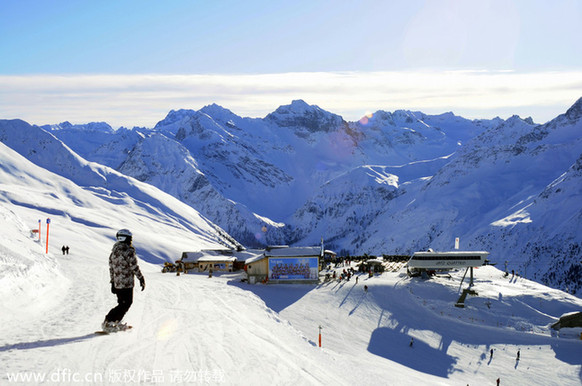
(124, 300)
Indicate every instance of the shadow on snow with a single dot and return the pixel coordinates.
(45, 343)
(276, 297)
(395, 346)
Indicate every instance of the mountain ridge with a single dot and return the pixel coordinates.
(301, 174)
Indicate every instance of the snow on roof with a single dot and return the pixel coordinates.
(249, 256)
(453, 253)
(294, 251)
(254, 259)
(209, 255)
(209, 258)
(191, 257)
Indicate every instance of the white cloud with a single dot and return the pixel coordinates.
(142, 100)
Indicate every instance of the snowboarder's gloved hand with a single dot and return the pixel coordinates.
(142, 283)
(113, 290)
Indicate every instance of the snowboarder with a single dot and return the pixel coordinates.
(122, 268)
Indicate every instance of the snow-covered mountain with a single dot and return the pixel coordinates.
(388, 183)
(262, 171)
(192, 329)
(73, 189)
(486, 195)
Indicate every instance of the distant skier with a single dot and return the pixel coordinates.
(517, 355)
(63, 249)
(411, 342)
(498, 380)
(491, 354)
(122, 268)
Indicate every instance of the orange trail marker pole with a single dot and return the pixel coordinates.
(39, 225)
(48, 221)
(320, 335)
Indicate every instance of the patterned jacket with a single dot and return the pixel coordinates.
(123, 265)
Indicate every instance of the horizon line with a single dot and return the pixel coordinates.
(144, 99)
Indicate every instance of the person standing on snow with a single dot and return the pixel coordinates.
(122, 268)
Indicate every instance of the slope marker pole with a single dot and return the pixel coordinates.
(48, 221)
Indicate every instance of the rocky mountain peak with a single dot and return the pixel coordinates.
(574, 113)
(175, 116)
(217, 112)
(299, 114)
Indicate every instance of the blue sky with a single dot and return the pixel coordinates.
(130, 62)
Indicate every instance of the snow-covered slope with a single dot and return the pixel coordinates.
(345, 205)
(112, 200)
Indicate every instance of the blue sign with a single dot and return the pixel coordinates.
(293, 268)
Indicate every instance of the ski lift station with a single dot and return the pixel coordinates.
(432, 261)
(427, 261)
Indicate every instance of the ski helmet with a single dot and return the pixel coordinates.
(123, 235)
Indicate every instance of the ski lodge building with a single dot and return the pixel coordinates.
(275, 264)
(219, 260)
(283, 264)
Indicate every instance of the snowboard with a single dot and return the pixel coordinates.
(113, 332)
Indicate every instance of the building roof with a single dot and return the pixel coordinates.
(209, 255)
(451, 253)
(254, 259)
(214, 259)
(294, 252)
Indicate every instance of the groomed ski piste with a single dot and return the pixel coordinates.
(192, 329)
